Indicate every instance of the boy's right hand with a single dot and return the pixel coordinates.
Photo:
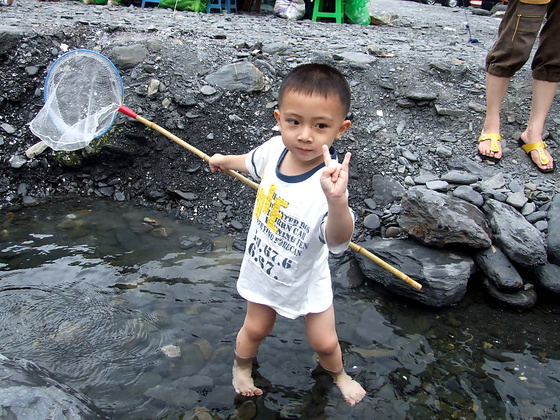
(216, 163)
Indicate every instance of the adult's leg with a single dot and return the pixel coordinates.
(546, 76)
(543, 95)
(321, 334)
(259, 321)
(496, 89)
(517, 33)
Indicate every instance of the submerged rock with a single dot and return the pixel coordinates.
(28, 391)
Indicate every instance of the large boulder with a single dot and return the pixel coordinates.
(498, 269)
(439, 220)
(443, 274)
(519, 240)
(553, 233)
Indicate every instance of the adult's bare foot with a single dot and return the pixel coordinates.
(539, 155)
(242, 380)
(489, 146)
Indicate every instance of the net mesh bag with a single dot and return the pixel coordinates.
(82, 92)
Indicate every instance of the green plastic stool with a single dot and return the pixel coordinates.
(319, 13)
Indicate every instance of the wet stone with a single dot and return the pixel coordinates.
(236, 225)
(29, 201)
(190, 242)
(372, 221)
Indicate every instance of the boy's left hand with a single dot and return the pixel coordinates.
(334, 179)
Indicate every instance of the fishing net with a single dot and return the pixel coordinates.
(83, 91)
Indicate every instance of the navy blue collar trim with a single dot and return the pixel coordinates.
(304, 176)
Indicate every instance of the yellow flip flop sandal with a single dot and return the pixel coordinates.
(539, 147)
(495, 139)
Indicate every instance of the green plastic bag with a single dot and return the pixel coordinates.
(357, 12)
(190, 5)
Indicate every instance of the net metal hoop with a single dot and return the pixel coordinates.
(82, 92)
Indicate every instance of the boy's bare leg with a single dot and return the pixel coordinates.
(321, 333)
(259, 321)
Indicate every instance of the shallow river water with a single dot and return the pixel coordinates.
(139, 312)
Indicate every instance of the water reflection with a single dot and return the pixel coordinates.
(140, 313)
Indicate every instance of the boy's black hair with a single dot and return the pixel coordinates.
(315, 78)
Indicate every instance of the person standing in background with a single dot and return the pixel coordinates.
(517, 33)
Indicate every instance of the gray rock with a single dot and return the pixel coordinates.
(9, 37)
(173, 396)
(276, 48)
(8, 128)
(421, 94)
(207, 90)
(542, 225)
(386, 190)
(466, 193)
(443, 274)
(242, 76)
(553, 234)
(514, 235)
(356, 59)
(536, 216)
(437, 185)
(546, 277)
(529, 208)
(493, 183)
(498, 269)
(425, 177)
(450, 112)
(28, 391)
(459, 177)
(129, 56)
(438, 220)
(17, 161)
(444, 151)
(523, 299)
(517, 200)
(371, 221)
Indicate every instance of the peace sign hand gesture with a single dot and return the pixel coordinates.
(334, 179)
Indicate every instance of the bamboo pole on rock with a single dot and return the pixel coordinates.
(127, 111)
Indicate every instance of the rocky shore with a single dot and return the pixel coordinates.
(425, 201)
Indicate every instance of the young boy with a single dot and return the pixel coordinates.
(300, 214)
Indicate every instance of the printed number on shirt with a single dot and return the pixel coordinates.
(273, 264)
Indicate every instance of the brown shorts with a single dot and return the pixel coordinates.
(517, 34)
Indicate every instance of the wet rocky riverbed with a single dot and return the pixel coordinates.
(102, 315)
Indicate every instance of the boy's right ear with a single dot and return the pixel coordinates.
(277, 115)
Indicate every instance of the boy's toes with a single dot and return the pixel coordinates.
(249, 392)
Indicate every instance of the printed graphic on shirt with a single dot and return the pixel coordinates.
(279, 238)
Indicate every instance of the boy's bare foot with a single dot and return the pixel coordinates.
(352, 391)
(242, 380)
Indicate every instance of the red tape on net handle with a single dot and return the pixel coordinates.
(127, 111)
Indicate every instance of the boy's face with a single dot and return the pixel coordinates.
(307, 123)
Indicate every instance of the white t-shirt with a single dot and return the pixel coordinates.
(285, 265)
